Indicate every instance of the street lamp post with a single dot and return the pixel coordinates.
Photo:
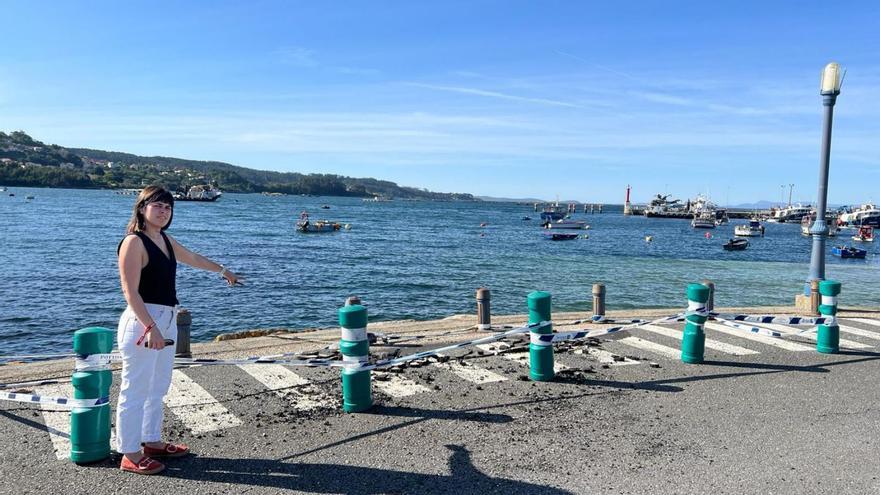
(819, 231)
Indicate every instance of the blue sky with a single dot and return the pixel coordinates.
(500, 98)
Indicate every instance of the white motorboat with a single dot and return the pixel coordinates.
(199, 193)
(704, 220)
(791, 213)
(752, 229)
(567, 224)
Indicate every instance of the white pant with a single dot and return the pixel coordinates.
(146, 376)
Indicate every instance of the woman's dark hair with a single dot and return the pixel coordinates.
(150, 194)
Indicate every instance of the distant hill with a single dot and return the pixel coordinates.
(25, 161)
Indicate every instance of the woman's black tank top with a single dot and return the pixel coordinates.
(158, 278)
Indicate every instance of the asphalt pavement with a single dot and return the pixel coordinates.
(622, 416)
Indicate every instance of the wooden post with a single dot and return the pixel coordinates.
(484, 314)
(598, 300)
(814, 297)
(184, 325)
(710, 304)
(352, 301)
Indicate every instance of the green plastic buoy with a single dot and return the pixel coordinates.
(357, 393)
(540, 356)
(828, 336)
(90, 426)
(693, 342)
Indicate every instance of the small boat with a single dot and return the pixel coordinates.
(736, 244)
(848, 252)
(325, 207)
(29, 197)
(703, 221)
(484, 224)
(567, 224)
(560, 236)
(2, 189)
(306, 226)
(204, 193)
(865, 234)
(753, 229)
(526, 218)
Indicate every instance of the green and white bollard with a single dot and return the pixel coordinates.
(355, 348)
(828, 336)
(693, 342)
(540, 353)
(90, 426)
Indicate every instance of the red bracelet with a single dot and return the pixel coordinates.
(146, 331)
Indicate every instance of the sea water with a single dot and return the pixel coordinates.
(405, 259)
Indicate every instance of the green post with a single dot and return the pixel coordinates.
(540, 353)
(693, 342)
(355, 348)
(90, 426)
(828, 336)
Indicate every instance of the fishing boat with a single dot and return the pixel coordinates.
(752, 229)
(553, 212)
(203, 193)
(848, 252)
(865, 234)
(736, 244)
(560, 236)
(567, 224)
(306, 226)
(703, 220)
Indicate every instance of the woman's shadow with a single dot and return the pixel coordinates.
(337, 478)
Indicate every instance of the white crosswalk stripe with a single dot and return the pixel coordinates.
(521, 357)
(711, 344)
(195, 407)
(57, 418)
(647, 345)
(764, 339)
(848, 344)
(866, 321)
(470, 372)
(858, 331)
(395, 385)
(288, 385)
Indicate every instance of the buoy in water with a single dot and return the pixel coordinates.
(348, 226)
(649, 238)
(708, 235)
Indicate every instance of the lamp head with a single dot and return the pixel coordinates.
(831, 78)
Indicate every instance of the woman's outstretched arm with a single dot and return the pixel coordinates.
(196, 260)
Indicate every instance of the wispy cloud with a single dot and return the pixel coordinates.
(493, 94)
(296, 56)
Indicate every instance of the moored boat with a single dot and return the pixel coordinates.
(866, 215)
(752, 229)
(848, 252)
(865, 234)
(304, 225)
(704, 220)
(560, 236)
(736, 244)
(567, 224)
(553, 212)
(203, 193)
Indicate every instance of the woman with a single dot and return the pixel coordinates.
(147, 269)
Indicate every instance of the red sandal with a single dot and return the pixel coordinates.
(168, 450)
(144, 466)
